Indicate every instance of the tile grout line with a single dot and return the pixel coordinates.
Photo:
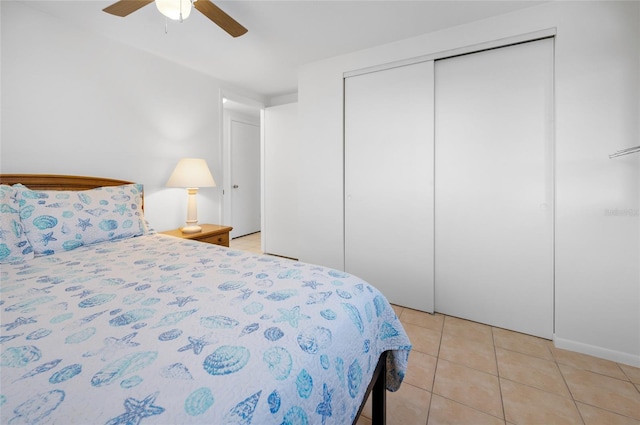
(495, 353)
(564, 379)
(435, 369)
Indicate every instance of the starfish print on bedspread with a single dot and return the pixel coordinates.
(292, 316)
(112, 345)
(196, 344)
(83, 224)
(137, 410)
(312, 284)
(120, 209)
(46, 238)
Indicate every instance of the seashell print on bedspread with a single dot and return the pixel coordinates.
(157, 329)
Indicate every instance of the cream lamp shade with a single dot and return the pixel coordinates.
(191, 173)
(174, 9)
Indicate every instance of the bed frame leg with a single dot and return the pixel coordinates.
(379, 401)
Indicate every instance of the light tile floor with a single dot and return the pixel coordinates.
(247, 243)
(462, 372)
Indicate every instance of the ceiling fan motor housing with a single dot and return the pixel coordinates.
(174, 9)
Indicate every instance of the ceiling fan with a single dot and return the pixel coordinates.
(179, 10)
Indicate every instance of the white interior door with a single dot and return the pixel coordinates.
(245, 177)
(389, 182)
(494, 187)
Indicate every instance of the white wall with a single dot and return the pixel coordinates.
(597, 283)
(77, 103)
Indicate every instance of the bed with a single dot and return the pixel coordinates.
(104, 320)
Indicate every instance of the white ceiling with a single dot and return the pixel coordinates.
(282, 34)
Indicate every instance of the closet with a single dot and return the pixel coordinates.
(449, 184)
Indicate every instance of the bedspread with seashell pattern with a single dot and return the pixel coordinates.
(160, 330)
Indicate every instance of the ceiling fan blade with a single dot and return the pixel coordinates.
(125, 7)
(218, 16)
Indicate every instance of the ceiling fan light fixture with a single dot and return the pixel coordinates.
(180, 10)
(176, 10)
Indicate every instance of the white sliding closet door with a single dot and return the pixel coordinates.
(494, 187)
(389, 182)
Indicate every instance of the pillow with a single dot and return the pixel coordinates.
(14, 245)
(56, 221)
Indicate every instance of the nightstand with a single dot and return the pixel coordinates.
(211, 233)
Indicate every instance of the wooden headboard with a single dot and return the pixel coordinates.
(59, 182)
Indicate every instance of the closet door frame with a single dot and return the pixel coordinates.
(473, 48)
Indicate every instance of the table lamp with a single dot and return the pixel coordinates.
(191, 173)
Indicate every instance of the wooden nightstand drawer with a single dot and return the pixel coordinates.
(216, 239)
(211, 233)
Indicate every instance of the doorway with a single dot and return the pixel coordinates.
(241, 159)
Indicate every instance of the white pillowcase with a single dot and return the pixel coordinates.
(14, 245)
(57, 221)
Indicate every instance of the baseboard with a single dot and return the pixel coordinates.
(592, 350)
